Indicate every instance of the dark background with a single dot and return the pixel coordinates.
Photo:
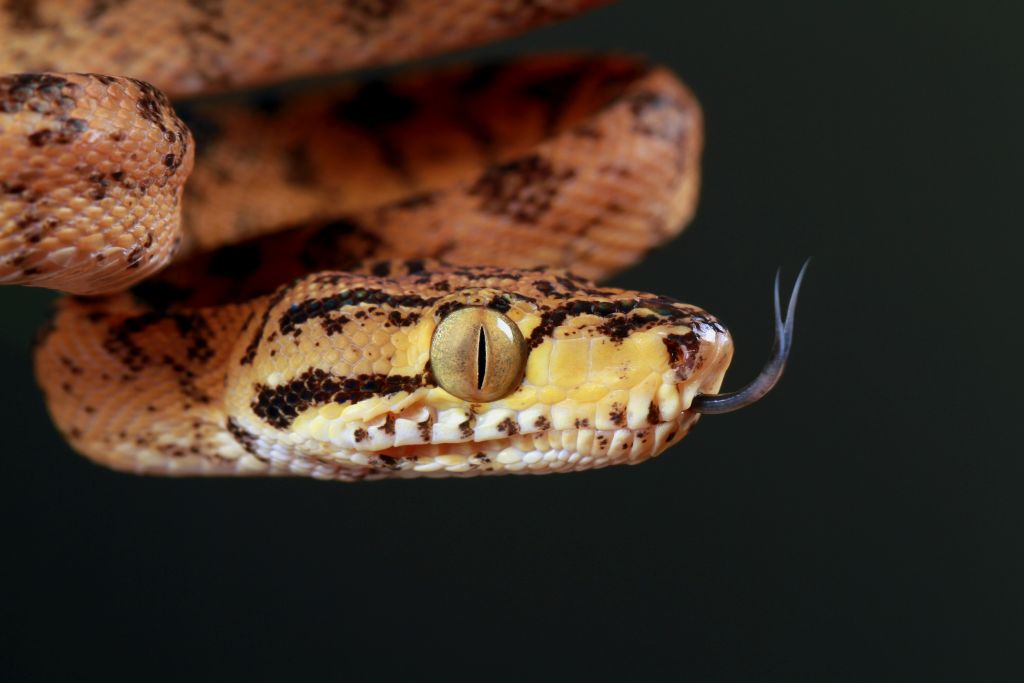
(862, 523)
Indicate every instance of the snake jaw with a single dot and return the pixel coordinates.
(542, 451)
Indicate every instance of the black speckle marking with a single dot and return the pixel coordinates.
(425, 428)
(46, 94)
(500, 303)
(311, 309)
(523, 189)
(120, 341)
(254, 343)
(398, 320)
(449, 307)
(154, 107)
(194, 333)
(135, 256)
(618, 325)
(50, 97)
(71, 366)
(245, 439)
(101, 184)
(280, 405)
(333, 325)
(68, 130)
(508, 426)
(388, 462)
(682, 353)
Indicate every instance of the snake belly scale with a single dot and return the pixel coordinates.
(325, 238)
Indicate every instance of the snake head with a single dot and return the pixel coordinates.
(404, 369)
(442, 370)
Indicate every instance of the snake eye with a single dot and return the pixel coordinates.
(477, 354)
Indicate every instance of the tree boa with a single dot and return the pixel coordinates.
(388, 279)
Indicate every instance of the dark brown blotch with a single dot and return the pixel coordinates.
(522, 190)
(508, 426)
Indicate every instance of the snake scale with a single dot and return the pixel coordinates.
(386, 279)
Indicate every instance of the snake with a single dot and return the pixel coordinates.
(388, 278)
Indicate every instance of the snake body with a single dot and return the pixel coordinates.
(324, 238)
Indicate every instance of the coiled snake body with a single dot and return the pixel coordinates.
(369, 280)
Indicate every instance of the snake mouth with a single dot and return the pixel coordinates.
(554, 450)
(420, 440)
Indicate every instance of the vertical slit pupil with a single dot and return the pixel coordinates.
(481, 359)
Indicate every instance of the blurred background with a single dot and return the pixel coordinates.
(864, 522)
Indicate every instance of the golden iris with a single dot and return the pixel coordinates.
(478, 354)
